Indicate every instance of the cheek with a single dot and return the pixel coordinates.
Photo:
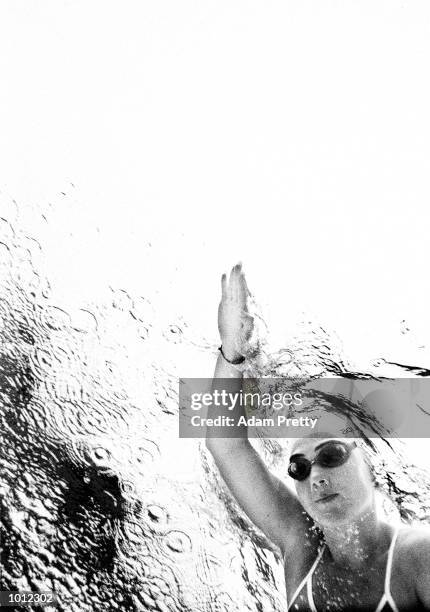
(353, 481)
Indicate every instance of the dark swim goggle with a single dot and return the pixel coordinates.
(331, 454)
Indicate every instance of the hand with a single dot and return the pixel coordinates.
(235, 324)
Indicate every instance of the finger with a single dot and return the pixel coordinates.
(224, 286)
(234, 272)
(244, 291)
(237, 293)
(241, 293)
(232, 285)
(245, 284)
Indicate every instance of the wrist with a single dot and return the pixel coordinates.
(230, 354)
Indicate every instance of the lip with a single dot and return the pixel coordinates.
(327, 498)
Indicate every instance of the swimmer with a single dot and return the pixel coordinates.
(338, 553)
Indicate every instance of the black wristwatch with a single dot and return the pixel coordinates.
(235, 362)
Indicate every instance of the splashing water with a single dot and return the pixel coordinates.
(100, 500)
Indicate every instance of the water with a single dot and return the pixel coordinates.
(100, 500)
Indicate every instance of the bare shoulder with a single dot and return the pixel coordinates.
(414, 545)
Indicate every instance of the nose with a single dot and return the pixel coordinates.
(320, 483)
(319, 480)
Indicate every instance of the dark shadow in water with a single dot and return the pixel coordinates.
(90, 494)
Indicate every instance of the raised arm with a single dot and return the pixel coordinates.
(270, 505)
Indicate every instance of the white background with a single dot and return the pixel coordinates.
(293, 136)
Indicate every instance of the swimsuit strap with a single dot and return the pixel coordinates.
(390, 560)
(387, 597)
(310, 594)
(308, 579)
(387, 591)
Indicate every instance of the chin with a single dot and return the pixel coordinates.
(333, 518)
(340, 516)
(335, 515)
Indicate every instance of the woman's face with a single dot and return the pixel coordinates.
(334, 495)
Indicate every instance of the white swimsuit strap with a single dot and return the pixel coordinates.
(387, 591)
(310, 594)
(308, 578)
(387, 597)
(390, 560)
